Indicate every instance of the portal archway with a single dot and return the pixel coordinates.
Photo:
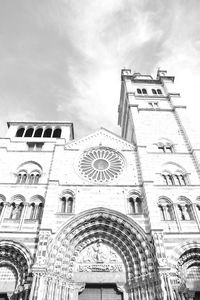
(15, 264)
(186, 266)
(114, 230)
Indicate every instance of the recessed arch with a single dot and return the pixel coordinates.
(184, 256)
(37, 199)
(17, 198)
(15, 247)
(113, 228)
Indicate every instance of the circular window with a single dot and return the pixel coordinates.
(101, 164)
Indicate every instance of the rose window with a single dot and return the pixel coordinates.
(101, 164)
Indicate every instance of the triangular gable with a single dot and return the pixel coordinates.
(101, 137)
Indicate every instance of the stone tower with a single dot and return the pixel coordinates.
(153, 118)
(104, 216)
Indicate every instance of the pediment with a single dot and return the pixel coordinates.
(101, 137)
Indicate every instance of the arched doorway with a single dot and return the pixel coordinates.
(186, 264)
(15, 263)
(136, 274)
(8, 279)
(100, 292)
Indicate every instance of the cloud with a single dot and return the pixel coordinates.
(61, 60)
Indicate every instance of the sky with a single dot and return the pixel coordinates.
(61, 59)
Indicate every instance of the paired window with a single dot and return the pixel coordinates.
(153, 104)
(142, 91)
(183, 208)
(35, 211)
(166, 210)
(38, 132)
(24, 178)
(156, 91)
(165, 147)
(185, 212)
(35, 146)
(174, 179)
(67, 204)
(135, 204)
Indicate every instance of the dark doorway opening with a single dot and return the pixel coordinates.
(100, 292)
(197, 296)
(4, 297)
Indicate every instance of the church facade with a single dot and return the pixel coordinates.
(104, 217)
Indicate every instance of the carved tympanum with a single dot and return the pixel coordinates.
(99, 257)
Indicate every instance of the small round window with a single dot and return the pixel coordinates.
(101, 164)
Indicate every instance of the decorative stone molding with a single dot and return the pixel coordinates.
(114, 229)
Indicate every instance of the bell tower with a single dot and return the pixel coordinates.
(152, 117)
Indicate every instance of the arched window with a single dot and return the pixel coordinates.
(135, 204)
(57, 133)
(32, 211)
(139, 91)
(19, 176)
(40, 211)
(29, 132)
(63, 205)
(165, 147)
(29, 173)
(47, 133)
(66, 204)
(69, 205)
(154, 92)
(159, 92)
(31, 179)
(174, 175)
(131, 205)
(37, 177)
(184, 209)
(38, 132)
(166, 209)
(22, 177)
(144, 91)
(20, 132)
(34, 177)
(168, 179)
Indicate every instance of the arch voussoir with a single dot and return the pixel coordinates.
(112, 228)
